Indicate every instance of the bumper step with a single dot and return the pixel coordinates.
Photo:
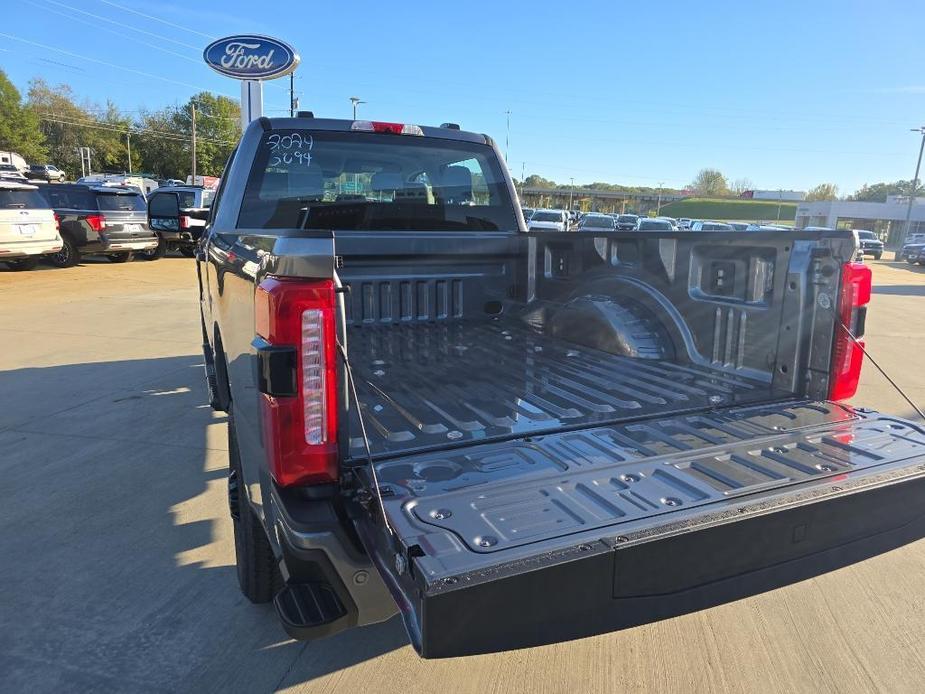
(309, 610)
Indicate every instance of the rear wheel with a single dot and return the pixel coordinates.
(23, 263)
(68, 256)
(877, 256)
(258, 572)
(156, 253)
(120, 257)
(187, 252)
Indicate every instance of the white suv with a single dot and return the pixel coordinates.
(28, 228)
(548, 220)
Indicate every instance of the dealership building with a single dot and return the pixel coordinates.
(886, 219)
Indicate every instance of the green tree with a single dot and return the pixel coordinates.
(19, 125)
(534, 181)
(67, 126)
(878, 192)
(710, 183)
(824, 191)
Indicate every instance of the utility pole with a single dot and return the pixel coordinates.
(780, 200)
(571, 186)
(292, 104)
(507, 136)
(128, 144)
(658, 205)
(193, 180)
(915, 186)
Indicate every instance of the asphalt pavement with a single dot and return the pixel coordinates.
(117, 560)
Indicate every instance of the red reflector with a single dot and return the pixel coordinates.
(847, 355)
(97, 222)
(300, 431)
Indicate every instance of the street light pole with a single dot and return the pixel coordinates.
(356, 101)
(658, 205)
(507, 136)
(193, 113)
(128, 144)
(915, 185)
(571, 185)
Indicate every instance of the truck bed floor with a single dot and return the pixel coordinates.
(425, 385)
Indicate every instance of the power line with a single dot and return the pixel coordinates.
(121, 24)
(103, 62)
(111, 31)
(164, 134)
(156, 19)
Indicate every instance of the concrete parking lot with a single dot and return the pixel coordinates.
(117, 560)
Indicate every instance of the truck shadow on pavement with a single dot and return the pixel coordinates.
(118, 567)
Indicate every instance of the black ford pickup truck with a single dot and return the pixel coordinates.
(514, 438)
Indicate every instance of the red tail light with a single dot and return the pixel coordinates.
(184, 221)
(377, 126)
(97, 222)
(57, 221)
(847, 356)
(298, 385)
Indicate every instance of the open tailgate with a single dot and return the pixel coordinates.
(547, 538)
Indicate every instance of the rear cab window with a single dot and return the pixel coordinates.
(22, 200)
(121, 202)
(370, 181)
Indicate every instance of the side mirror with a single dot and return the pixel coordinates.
(164, 212)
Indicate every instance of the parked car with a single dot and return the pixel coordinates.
(177, 214)
(45, 172)
(710, 226)
(684, 223)
(99, 220)
(510, 438)
(771, 227)
(527, 211)
(653, 224)
(739, 226)
(8, 172)
(28, 228)
(596, 222)
(869, 243)
(672, 221)
(626, 222)
(548, 220)
(911, 250)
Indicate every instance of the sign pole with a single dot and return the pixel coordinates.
(251, 101)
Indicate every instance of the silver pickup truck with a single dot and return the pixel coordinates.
(515, 438)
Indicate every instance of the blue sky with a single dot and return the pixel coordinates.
(787, 94)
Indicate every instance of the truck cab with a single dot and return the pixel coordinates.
(513, 437)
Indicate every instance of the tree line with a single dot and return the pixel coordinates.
(711, 183)
(50, 125)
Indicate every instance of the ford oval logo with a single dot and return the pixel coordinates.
(251, 57)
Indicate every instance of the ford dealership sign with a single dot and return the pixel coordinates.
(251, 57)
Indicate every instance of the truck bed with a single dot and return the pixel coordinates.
(428, 385)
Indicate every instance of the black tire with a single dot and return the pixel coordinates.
(910, 261)
(68, 256)
(156, 253)
(23, 264)
(877, 256)
(187, 252)
(120, 258)
(258, 572)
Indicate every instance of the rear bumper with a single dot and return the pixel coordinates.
(29, 249)
(119, 245)
(314, 546)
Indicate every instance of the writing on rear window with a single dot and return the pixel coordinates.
(290, 148)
